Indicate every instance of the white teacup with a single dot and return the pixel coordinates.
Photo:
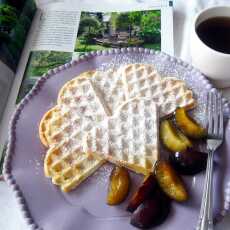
(214, 64)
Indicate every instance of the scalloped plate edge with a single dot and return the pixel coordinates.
(38, 85)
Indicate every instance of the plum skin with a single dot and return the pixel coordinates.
(144, 192)
(152, 212)
(189, 162)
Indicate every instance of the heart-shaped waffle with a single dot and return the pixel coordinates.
(169, 93)
(78, 110)
(129, 138)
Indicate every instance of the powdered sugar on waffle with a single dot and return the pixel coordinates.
(110, 87)
(130, 137)
(83, 110)
(144, 81)
(138, 78)
(80, 110)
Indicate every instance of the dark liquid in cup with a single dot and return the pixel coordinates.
(215, 33)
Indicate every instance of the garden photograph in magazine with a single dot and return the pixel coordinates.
(98, 31)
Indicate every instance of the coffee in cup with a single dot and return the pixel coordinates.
(210, 44)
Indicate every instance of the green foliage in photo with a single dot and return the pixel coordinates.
(89, 28)
(8, 19)
(156, 46)
(150, 27)
(84, 47)
(8, 15)
(42, 61)
(15, 20)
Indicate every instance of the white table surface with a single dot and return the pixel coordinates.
(11, 218)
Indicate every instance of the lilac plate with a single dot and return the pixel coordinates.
(45, 207)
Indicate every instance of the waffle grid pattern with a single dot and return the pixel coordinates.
(79, 110)
(168, 93)
(70, 169)
(110, 87)
(130, 137)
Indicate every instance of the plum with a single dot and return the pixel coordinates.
(173, 139)
(144, 192)
(119, 185)
(188, 125)
(170, 182)
(188, 162)
(152, 211)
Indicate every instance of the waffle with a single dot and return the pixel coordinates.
(78, 111)
(68, 166)
(168, 93)
(50, 123)
(53, 122)
(56, 163)
(73, 83)
(138, 77)
(81, 109)
(129, 138)
(109, 86)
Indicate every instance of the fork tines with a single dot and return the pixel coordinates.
(214, 114)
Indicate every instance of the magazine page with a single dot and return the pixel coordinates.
(61, 34)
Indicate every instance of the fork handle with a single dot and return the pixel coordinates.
(206, 218)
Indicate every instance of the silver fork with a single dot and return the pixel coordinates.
(214, 116)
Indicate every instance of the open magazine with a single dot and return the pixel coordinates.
(38, 36)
